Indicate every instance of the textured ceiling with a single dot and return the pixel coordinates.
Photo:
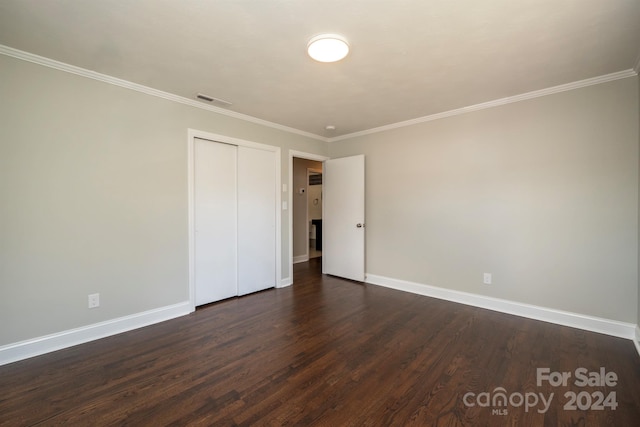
(409, 58)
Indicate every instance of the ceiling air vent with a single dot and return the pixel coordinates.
(212, 99)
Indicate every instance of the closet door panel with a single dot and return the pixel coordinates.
(256, 220)
(216, 215)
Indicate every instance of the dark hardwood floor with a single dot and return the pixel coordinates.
(328, 352)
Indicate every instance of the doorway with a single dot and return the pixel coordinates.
(306, 208)
(298, 207)
(342, 216)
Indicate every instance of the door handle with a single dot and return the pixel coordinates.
(359, 225)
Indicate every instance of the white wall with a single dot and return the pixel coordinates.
(543, 194)
(93, 183)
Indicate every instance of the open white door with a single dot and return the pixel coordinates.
(343, 218)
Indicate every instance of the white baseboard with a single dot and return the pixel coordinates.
(287, 281)
(300, 258)
(41, 345)
(565, 318)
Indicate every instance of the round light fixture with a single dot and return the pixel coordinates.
(328, 48)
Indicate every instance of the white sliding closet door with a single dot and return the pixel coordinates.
(235, 220)
(216, 249)
(256, 220)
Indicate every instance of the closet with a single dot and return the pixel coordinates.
(234, 219)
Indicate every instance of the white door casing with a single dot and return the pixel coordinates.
(290, 190)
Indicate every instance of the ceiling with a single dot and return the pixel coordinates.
(408, 59)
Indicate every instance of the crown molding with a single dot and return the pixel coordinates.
(495, 103)
(41, 60)
(30, 57)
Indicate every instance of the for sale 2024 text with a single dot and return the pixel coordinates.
(582, 377)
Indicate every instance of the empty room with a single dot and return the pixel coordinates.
(319, 212)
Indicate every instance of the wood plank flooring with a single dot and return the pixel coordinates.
(326, 352)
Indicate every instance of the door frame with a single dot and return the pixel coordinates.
(192, 134)
(307, 156)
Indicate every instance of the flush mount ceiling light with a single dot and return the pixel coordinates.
(328, 48)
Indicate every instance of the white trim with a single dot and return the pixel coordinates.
(192, 134)
(288, 281)
(301, 258)
(48, 343)
(61, 66)
(636, 341)
(301, 155)
(495, 103)
(575, 320)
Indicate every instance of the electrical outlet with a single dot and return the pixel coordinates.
(487, 278)
(94, 300)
